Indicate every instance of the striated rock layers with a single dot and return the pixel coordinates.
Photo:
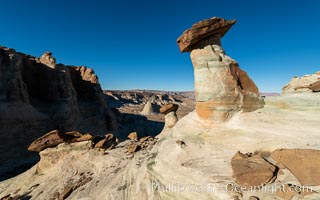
(221, 87)
(306, 83)
(37, 95)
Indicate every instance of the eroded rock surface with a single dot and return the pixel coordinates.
(304, 164)
(306, 83)
(221, 87)
(250, 171)
(37, 96)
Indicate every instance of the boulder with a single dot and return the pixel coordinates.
(51, 139)
(252, 170)
(304, 164)
(55, 137)
(221, 87)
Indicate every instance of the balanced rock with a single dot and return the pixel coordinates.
(165, 109)
(170, 117)
(221, 87)
(201, 32)
(304, 164)
(252, 170)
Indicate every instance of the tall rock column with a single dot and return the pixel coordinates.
(221, 87)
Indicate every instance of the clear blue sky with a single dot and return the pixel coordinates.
(131, 44)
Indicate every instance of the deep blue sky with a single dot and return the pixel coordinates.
(131, 44)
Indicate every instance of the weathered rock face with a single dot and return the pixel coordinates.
(306, 83)
(37, 95)
(221, 87)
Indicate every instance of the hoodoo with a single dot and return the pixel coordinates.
(221, 87)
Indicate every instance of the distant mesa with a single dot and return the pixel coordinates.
(221, 87)
(307, 83)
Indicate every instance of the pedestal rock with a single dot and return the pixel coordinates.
(221, 87)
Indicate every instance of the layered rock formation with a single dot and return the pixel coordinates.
(221, 87)
(37, 95)
(306, 83)
(170, 114)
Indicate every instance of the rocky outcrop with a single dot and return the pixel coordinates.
(37, 95)
(221, 87)
(48, 59)
(306, 83)
(54, 138)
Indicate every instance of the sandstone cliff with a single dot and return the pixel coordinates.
(37, 95)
